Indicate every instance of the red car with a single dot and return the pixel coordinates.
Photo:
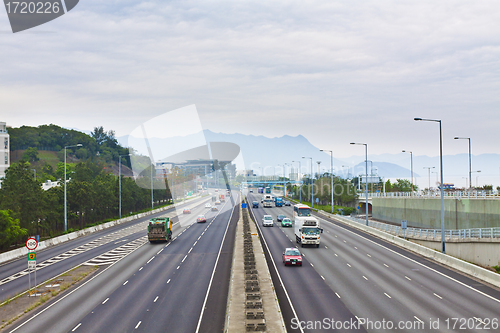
(201, 219)
(291, 256)
(186, 211)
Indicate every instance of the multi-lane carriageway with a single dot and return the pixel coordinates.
(355, 275)
(173, 287)
(182, 286)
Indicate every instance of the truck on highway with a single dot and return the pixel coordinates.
(268, 189)
(267, 201)
(307, 227)
(160, 229)
(221, 198)
(279, 202)
(261, 190)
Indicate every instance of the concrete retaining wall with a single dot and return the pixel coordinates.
(460, 213)
(460, 265)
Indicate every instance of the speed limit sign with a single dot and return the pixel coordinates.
(31, 244)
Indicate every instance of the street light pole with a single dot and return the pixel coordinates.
(366, 175)
(429, 169)
(411, 161)
(120, 182)
(300, 186)
(470, 164)
(331, 174)
(312, 182)
(443, 245)
(65, 191)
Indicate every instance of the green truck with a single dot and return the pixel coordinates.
(160, 230)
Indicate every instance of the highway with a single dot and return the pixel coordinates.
(377, 282)
(155, 286)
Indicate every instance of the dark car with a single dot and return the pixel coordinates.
(281, 217)
(291, 256)
(255, 204)
(287, 203)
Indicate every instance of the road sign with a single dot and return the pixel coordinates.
(32, 264)
(31, 244)
(317, 200)
(404, 224)
(32, 256)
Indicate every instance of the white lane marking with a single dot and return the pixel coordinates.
(191, 249)
(418, 319)
(125, 282)
(76, 327)
(105, 300)
(387, 295)
(326, 247)
(386, 266)
(368, 255)
(184, 258)
(364, 277)
(348, 265)
(213, 272)
(178, 267)
(336, 254)
(438, 296)
(328, 231)
(311, 264)
(155, 299)
(345, 241)
(159, 251)
(322, 277)
(140, 269)
(195, 243)
(480, 320)
(416, 262)
(355, 247)
(150, 260)
(407, 278)
(168, 281)
(199, 238)
(138, 324)
(337, 295)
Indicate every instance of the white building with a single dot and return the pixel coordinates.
(4, 149)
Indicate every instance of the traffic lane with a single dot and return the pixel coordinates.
(311, 297)
(418, 287)
(155, 313)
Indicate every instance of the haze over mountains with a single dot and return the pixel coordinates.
(263, 154)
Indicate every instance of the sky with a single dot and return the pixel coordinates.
(333, 71)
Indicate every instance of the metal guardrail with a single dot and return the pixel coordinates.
(431, 233)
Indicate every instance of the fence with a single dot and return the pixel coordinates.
(446, 194)
(431, 233)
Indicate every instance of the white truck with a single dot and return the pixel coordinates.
(307, 230)
(268, 201)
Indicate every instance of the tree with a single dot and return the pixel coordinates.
(31, 154)
(403, 185)
(10, 231)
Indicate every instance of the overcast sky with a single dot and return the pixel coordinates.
(333, 71)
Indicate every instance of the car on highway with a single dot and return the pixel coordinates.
(262, 200)
(214, 208)
(286, 222)
(251, 191)
(186, 211)
(291, 256)
(280, 217)
(208, 205)
(201, 219)
(287, 203)
(255, 204)
(267, 221)
(217, 202)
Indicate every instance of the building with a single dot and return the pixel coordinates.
(4, 149)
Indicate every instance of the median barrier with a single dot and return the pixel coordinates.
(458, 264)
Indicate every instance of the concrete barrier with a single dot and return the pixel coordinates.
(458, 264)
(14, 254)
